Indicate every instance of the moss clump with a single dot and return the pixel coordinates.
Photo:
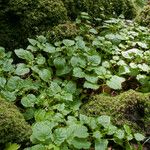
(26, 18)
(130, 107)
(144, 16)
(101, 8)
(62, 31)
(13, 127)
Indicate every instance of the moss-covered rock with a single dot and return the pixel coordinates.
(13, 127)
(129, 107)
(144, 17)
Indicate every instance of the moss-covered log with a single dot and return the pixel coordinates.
(129, 107)
(13, 127)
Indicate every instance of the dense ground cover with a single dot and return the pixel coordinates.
(51, 81)
(86, 85)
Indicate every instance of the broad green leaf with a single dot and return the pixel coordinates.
(106, 64)
(132, 52)
(54, 147)
(2, 82)
(77, 61)
(90, 121)
(59, 136)
(42, 131)
(101, 71)
(90, 85)
(97, 135)
(24, 54)
(12, 146)
(22, 69)
(91, 78)
(59, 62)
(45, 75)
(70, 87)
(94, 60)
(127, 129)
(65, 70)
(93, 31)
(67, 96)
(35, 68)
(37, 147)
(142, 45)
(29, 113)
(124, 70)
(49, 48)
(41, 39)
(32, 48)
(10, 96)
(55, 88)
(32, 41)
(2, 52)
(80, 131)
(101, 144)
(40, 115)
(115, 82)
(29, 100)
(77, 72)
(139, 137)
(80, 44)
(14, 83)
(144, 67)
(104, 120)
(80, 143)
(67, 42)
(111, 129)
(8, 66)
(115, 38)
(40, 59)
(120, 134)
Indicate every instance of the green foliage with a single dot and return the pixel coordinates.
(13, 127)
(128, 107)
(51, 80)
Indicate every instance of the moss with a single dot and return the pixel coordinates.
(144, 16)
(101, 8)
(129, 107)
(22, 19)
(27, 18)
(62, 31)
(13, 127)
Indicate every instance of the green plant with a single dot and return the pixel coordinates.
(129, 107)
(51, 80)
